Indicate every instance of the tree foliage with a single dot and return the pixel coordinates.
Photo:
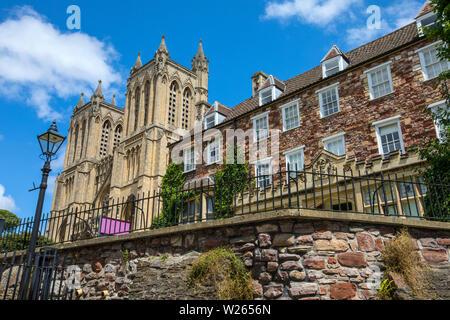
(172, 197)
(11, 220)
(231, 180)
(436, 151)
(20, 241)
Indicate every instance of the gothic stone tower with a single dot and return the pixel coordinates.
(88, 157)
(115, 153)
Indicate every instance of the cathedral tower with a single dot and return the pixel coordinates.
(115, 153)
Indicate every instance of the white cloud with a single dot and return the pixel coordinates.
(317, 12)
(39, 62)
(348, 18)
(393, 17)
(6, 201)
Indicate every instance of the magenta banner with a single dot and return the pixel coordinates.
(111, 226)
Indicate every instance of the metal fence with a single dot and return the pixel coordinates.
(52, 278)
(388, 194)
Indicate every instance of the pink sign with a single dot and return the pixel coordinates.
(114, 227)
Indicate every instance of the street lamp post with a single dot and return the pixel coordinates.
(50, 142)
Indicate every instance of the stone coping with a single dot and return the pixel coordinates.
(281, 214)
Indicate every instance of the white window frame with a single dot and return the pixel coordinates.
(283, 114)
(272, 94)
(421, 52)
(214, 115)
(339, 136)
(342, 64)
(187, 151)
(257, 117)
(291, 152)
(319, 92)
(263, 162)
(386, 122)
(214, 140)
(374, 69)
(419, 22)
(433, 107)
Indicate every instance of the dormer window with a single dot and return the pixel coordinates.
(425, 21)
(210, 121)
(270, 90)
(331, 67)
(333, 62)
(215, 115)
(265, 96)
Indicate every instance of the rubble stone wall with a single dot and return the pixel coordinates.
(288, 259)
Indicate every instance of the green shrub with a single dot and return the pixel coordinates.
(228, 273)
(401, 258)
(20, 241)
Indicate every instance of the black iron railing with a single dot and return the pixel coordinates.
(387, 194)
(52, 277)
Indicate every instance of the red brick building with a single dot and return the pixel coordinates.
(364, 110)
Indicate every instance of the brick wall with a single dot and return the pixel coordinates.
(410, 98)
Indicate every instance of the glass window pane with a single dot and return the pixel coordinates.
(295, 163)
(291, 117)
(336, 146)
(263, 175)
(329, 102)
(390, 138)
(266, 96)
(380, 82)
(410, 208)
(261, 130)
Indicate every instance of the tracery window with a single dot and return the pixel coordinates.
(105, 137)
(172, 102)
(185, 113)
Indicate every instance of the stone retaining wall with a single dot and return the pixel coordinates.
(288, 259)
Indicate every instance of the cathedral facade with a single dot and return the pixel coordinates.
(117, 153)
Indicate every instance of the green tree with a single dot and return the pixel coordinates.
(20, 241)
(172, 195)
(11, 220)
(436, 151)
(231, 180)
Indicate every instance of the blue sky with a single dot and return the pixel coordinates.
(44, 66)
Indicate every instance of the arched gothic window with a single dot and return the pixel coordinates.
(146, 101)
(75, 144)
(83, 133)
(117, 134)
(185, 113)
(105, 138)
(172, 102)
(129, 112)
(137, 101)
